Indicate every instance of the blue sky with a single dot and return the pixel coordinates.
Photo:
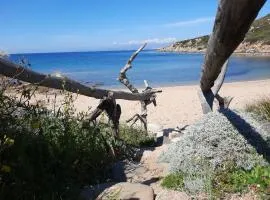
(69, 25)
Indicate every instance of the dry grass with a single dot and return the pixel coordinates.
(261, 107)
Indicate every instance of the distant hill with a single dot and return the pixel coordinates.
(257, 40)
(3, 54)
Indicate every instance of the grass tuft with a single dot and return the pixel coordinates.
(261, 108)
(173, 181)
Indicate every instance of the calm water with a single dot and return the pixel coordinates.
(158, 68)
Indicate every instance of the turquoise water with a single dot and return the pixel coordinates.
(158, 68)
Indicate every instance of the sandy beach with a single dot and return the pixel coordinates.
(179, 105)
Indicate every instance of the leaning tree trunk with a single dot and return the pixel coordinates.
(233, 20)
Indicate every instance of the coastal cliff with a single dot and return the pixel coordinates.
(257, 41)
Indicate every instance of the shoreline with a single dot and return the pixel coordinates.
(178, 105)
(183, 84)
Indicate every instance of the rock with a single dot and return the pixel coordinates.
(127, 191)
(146, 153)
(174, 134)
(91, 192)
(159, 134)
(154, 128)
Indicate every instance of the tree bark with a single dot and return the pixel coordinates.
(232, 22)
(10, 69)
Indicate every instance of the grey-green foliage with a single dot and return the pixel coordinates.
(208, 144)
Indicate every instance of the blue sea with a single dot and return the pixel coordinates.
(159, 68)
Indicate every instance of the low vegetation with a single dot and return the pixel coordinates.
(259, 31)
(261, 108)
(219, 154)
(52, 154)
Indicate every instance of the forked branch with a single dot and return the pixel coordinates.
(125, 81)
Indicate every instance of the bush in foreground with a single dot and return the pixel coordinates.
(52, 154)
(214, 147)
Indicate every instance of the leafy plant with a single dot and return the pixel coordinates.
(52, 154)
(239, 180)
(173, 181)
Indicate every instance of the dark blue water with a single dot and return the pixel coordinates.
(158, 68)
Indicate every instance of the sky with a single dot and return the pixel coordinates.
(95, 25)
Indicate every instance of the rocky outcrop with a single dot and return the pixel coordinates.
(253, 48)
(198, 44)
(257, 41)
(244, 48)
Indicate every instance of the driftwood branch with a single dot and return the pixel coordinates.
(113, 111)
(10, 69)
(208, 98)
(233, 20)
(125, 81)
(123, 77)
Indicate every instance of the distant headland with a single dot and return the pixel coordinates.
(256, 42)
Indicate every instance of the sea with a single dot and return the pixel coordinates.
(101, 68)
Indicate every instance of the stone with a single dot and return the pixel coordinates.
(128, 191)
(91, 192)
(159, 134)
(174, 134)
(154, 128)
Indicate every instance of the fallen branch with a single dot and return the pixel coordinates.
(56, 81)
(125, 81)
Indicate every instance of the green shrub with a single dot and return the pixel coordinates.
(52, 154)
(235, 180)
(173, 181)
(135, 137)
(227, 180)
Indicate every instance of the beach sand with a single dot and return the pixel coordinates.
(179, 105)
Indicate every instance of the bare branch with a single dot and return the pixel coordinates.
(135, 54)
(123, 77)
(220, 79)
(10, 69)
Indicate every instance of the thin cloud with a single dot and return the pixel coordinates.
(190, 22)
(149, 41)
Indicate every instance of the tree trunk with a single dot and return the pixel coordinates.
(232, 22)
